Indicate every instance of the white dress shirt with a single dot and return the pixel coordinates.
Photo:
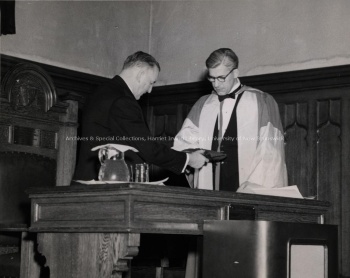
(227, 108)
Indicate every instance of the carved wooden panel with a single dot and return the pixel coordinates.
(34, 121)
(313, 144)
(294, 118)
(5, 131)
(164, 122)
(33, 126)
(329, 153)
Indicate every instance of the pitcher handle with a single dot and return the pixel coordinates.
(103, 153)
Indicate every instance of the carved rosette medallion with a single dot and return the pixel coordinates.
(28, 88)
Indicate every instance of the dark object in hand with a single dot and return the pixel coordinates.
(213, 156)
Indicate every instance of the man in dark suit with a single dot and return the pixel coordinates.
(113, 115)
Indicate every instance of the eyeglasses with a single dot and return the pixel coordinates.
(219, 78)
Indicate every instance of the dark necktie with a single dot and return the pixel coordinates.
(230, 95)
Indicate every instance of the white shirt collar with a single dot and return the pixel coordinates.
(235, 86)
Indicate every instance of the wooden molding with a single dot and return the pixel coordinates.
(275, 83)
(67, 82)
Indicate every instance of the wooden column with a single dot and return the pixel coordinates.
(67, 146)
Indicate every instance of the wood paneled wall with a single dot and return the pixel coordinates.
(315, 111)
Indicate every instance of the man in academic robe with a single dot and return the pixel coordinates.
(113, 116)
(240, 121)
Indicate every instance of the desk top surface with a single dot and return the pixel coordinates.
(158, 190)
(140, 208)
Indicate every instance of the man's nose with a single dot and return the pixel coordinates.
(215, 83)
(150, 89)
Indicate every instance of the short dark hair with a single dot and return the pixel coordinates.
(140, 57)
(222, 56)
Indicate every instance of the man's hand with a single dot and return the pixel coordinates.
(197, 160)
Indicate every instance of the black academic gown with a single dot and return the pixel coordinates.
(114, 116)
(229, 168)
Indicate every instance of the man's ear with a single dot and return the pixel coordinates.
(235, 73)
(139, 74)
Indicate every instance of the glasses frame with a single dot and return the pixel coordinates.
(220, 78)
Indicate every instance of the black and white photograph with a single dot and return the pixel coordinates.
(175, 139)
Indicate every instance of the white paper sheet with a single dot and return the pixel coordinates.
(161, 182)
(288, 191)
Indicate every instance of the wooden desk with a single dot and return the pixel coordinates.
(94, 230)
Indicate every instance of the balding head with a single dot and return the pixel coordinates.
(140, 72)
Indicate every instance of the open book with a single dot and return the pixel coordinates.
(288, 191)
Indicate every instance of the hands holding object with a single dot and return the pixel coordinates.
(200, 157)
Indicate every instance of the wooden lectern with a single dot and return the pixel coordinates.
(94, 230)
